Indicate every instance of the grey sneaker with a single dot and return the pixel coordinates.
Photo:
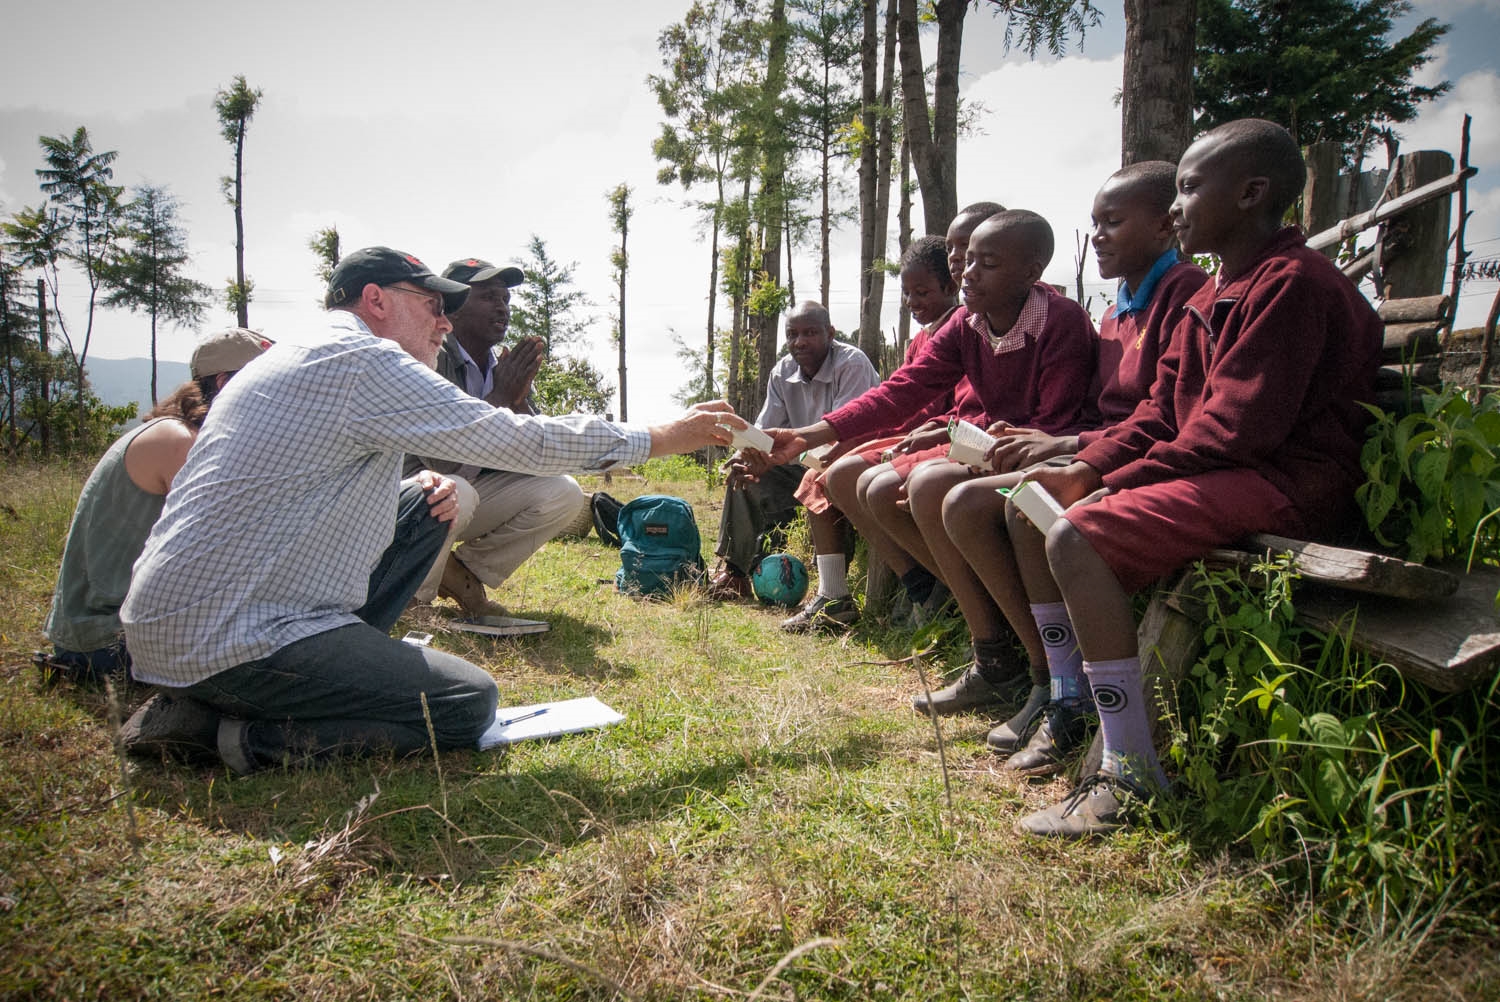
(823, 613)
(971, 692)
(1063, 728)
(1101, 804)
(1006, 737)
(172, 725)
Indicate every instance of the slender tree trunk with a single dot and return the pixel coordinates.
(772, 192)
(933, 137)
(791, 272)
(624, 265)
(43, 391)
(713, 296)
(868, 171)
(903, 226)
(10, 371)
(875, 349)
(825, 177)
(243, 311)
(1157, 97)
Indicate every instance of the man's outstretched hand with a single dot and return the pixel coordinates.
(704, 424)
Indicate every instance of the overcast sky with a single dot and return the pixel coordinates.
(463, 137)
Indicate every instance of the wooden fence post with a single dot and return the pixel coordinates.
(1415, 252)
(1322, 206)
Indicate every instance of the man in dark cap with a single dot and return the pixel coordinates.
(261, 602)
(504, 516)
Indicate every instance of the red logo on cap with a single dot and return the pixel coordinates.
(414, 261)
(472, 262)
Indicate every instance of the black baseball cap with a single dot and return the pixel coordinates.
(383, 266)
(472, 270)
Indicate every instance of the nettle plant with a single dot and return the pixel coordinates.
(1434, 478)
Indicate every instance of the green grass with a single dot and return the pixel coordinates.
(770, 821)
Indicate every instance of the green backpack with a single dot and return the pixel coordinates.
(659, 545)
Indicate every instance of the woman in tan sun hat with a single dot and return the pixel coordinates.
(120, 502)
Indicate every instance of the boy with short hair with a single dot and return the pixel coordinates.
(848, 479)
(1254, 425)
(1134, 242)
(931, 296)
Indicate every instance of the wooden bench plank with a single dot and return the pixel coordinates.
(1413, 309)
(1449, 643)
(1354, 570)
(1404, 342)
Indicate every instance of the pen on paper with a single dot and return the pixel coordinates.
(524, 716)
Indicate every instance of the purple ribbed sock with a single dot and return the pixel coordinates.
(1064, 660)
(1120, 695)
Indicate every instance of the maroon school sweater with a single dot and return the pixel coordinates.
(1044, 384)
(1267, 374)
(1130, 346)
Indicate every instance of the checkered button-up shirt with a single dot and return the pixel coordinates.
(288, 498)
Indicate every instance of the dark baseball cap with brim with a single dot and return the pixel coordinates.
(472, 270)
(383, 266)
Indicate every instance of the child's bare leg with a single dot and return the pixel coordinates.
(992, 678)
(845, 485)
(828, 550)
(974, 553)
(1062, 698)
(1100, 609)
(885, 496)
(830, 607)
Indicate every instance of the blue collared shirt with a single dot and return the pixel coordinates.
(1128, 302)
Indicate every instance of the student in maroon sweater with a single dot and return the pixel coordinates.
(917, 433)
(1027, 351)
(964, 527)
(1254, 425)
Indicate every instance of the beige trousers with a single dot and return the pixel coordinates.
(503, 518)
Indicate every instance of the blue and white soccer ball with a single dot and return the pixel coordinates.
(780, 579)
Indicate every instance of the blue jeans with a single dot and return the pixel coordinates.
(355, 690)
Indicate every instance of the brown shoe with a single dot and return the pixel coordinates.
(729, 585)
(972, 692)
(1101, 804)
(460, 585)
(1063, 729)
(174, 726)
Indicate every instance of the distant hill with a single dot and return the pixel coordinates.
(120, 381)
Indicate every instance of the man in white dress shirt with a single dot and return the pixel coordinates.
(244, 605)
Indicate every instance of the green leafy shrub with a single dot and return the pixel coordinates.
(1434, 478)
(1325, 763)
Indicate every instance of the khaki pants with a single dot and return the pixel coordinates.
(503, 518)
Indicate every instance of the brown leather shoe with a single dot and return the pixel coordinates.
(729, 585)
(460, 585)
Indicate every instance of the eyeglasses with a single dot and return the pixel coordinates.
(436, 304)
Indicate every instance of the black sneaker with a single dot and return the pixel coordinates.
(823, 613)
(175, 726)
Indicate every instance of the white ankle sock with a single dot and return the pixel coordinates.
(833, 575)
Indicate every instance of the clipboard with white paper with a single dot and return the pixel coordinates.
(547, 720)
